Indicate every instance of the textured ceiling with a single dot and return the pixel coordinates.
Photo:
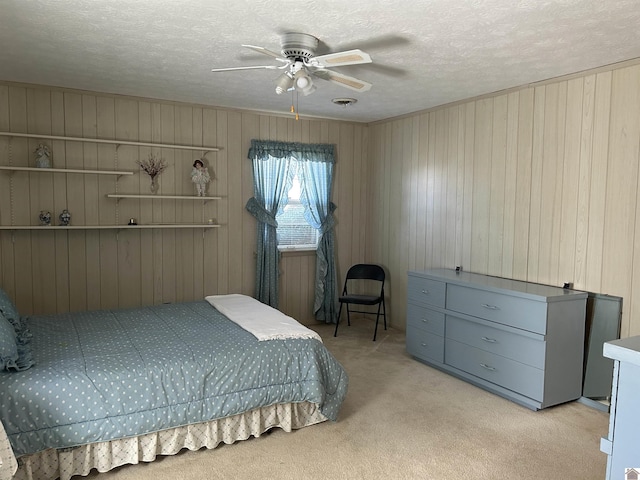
(425, 53)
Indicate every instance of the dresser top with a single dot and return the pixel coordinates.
(625, 350)
(533, 291)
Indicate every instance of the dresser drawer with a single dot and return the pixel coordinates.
(513, 345)
(509, 310)
(425, 345)
(518, 377)
(425, 319)
(518, 339)
(426, 291)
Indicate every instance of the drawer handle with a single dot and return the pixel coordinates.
(490, 340)
(488, 367)
(490, 307)
(424, 344)
(425, 320)
(426, 292)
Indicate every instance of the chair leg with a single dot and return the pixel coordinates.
(384, 313)
(375, 332)
(335, 334)
(348, 316)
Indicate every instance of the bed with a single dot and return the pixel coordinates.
(114, 387)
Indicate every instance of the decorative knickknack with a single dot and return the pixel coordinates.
(155, 186)
(200, 177)
(65, 217)
(45, 218)
(153, 167)
(43, 156)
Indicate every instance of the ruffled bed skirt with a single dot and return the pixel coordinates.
(104, 456)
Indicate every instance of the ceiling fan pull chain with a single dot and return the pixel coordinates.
(293, 110)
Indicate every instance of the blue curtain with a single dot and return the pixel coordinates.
(273, 172)
(315, 181)
(272, 180)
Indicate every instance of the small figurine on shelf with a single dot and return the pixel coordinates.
(65, 218)
(200, 177)
(43, 156)
(45, 218)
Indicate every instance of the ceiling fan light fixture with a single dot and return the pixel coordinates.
(283, 83)
(309, 90)
(303, 83)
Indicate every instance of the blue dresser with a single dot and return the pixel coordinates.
(521, 340)
(623, 442)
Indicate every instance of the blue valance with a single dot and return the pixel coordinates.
(319, 152)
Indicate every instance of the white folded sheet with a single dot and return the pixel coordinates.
(263, 321)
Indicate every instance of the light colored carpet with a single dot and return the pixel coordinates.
(404, 420)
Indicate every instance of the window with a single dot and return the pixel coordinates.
(294, 232)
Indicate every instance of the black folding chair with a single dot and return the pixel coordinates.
(363, 271)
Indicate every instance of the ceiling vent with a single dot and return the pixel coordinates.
(344, 102)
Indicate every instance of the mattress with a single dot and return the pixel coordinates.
(107, 375)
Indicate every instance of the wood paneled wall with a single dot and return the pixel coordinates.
(58, 271)
(536, 184)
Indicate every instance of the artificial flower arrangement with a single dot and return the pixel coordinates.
(153, 165)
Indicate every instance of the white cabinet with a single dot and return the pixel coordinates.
(521, 340)
(623, 442)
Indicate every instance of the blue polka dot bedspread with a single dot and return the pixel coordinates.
(103, 375)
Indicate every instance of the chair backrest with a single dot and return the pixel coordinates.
(365, 271)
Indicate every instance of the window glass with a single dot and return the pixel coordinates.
(294, 232)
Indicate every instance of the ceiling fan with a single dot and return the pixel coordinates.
(299, 64)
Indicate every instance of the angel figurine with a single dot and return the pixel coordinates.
(200, 177)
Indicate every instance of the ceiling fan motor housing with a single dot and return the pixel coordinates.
(299, 45)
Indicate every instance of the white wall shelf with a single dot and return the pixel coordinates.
(66, 170)
(12, 169)
(108, 227)
(203, 148)
(119, 196)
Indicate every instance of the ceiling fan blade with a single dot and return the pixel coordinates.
(254, 67)
(263, 50)
(350, 57)
(383, 42)
(343, 80)
(386, 70)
